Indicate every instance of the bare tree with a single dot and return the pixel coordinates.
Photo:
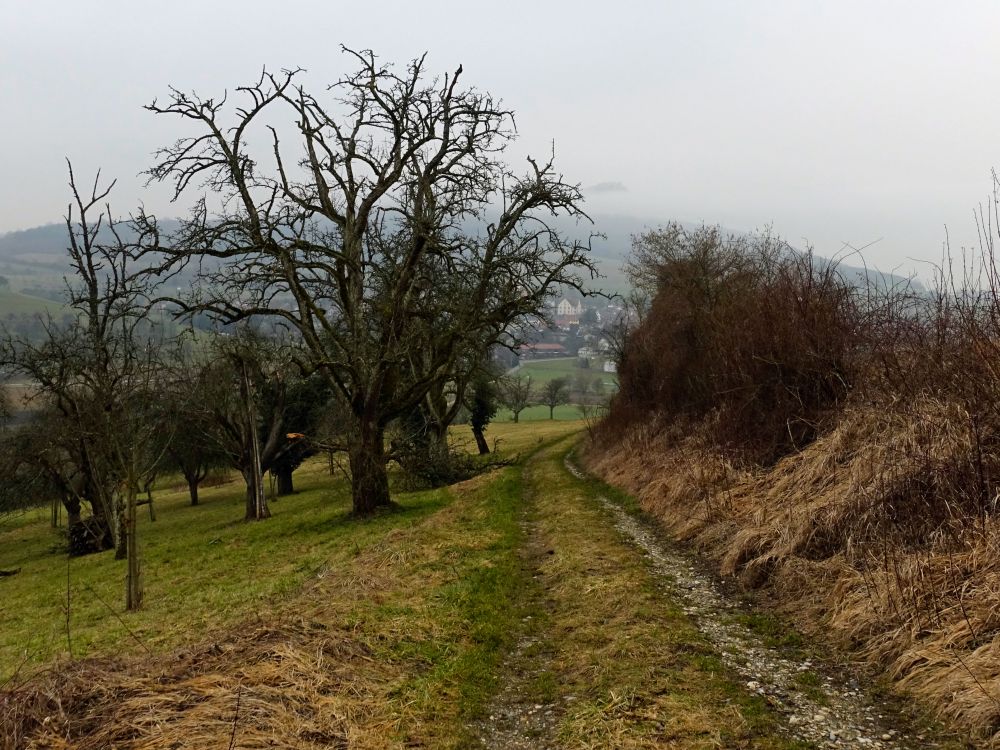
(85, 367)
(555, 393)
(396, 222)
(97, 377)
(516, 393)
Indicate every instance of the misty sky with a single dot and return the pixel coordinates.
(833, 121)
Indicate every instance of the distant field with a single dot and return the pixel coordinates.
(536, 414)
(14, 303)
(544, 370)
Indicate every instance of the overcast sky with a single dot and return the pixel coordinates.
(833, 121)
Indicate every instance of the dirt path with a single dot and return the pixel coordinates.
(819, 709)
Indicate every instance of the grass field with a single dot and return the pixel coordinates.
(204, 567)
(544, 370)
(14, 303)
(316, 630)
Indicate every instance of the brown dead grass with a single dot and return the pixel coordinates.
(863, 537)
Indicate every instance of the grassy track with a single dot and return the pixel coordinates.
(625, 666)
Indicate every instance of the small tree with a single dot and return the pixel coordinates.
(192, 448)
(516, 394)
(555, 393)
(482, 404)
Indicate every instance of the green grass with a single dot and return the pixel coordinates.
(475, 614)
(544, 370)
(14, 303)
(772, 629)
(204, 568)
(537, 414)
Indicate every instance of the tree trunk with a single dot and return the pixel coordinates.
(121, 519)
(193, 489)
(369, 477)
(73, 510)
(257, 509)
(284, 477)
(515, 416)
(100, 525)
(552, 411)
(481, 443)
(133, 579)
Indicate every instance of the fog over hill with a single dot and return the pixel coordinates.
(37, 256)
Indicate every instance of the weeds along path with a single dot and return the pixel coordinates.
(814, 708)
(602, 658)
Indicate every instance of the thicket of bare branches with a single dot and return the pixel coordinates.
(741, 331)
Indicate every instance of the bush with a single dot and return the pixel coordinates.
(745, 330)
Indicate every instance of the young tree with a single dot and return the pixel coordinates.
(192, 449)
(516, 394)
(395, 218)
(555, 393)
(482, 404)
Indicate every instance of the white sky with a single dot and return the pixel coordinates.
(834, 121)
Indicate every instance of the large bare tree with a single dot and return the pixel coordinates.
(393, 215)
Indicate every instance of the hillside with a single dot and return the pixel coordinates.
(530, 607)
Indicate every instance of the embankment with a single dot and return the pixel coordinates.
(858, 538)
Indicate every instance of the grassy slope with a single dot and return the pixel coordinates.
(204, 567)
(14, 303)
(391, 632)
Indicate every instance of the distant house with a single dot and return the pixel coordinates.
(568, 313)
(565, 308)
(610, 366)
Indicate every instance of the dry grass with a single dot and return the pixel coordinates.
(877, 536)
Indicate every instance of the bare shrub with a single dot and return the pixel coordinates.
(741, 328)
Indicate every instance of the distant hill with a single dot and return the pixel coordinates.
(611, 253)
(35, 259)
